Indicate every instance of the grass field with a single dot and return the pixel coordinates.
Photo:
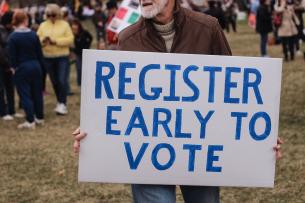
(39, 166)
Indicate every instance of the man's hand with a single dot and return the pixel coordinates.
(78, 136)
(277, 148)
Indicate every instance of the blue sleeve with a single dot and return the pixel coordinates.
(12, 51)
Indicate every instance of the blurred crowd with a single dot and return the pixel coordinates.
(44, 40)
(41, 41)
(283, 18)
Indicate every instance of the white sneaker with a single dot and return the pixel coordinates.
(8, 117)
(299, 53)
(39, 121)
(62, 109)
(19, 115)
(57, 106)
(27, 125)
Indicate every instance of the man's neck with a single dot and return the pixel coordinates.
(167, 14)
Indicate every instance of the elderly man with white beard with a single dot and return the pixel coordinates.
(166, 27)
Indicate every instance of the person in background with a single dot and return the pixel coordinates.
(99, 3)
(32, 10)
(82, 40)
(230, 8)
(112, 38)
(216, 11)
(288, 29)
(7, 87)
(4, 7)
(7, 108)
(26, 59)
(56, 37)
(263, 25)
(87, 11)
(99, 20)
(299, 8)
(66, 14)
(39, 14)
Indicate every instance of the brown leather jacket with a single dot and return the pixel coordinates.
(196, 33)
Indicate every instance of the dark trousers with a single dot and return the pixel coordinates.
(300, 36)
(263, 44)
(7, 99)
(58, 70)
(28, 80)
(231, 19)
(288, 44)
(79, 69)
(44, 78)
(68, 78)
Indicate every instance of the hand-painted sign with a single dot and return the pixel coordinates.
(161, 118)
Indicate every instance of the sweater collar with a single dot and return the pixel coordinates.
(167, 28)
(22, 30)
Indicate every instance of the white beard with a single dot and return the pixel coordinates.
(153, 10)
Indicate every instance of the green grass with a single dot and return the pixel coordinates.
(39, 166)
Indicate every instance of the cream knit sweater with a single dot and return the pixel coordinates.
(167, 32)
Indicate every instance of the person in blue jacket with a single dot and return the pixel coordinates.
(26, 59)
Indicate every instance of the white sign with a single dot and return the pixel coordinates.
(161, 118)
(128, 13)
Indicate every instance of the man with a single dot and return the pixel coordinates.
(230, 14)
(165, 27)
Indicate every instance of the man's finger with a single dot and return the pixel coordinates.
(77, 131)
(277, 147)
(80, 136)
(280, 141)
(76, 146)
(278, 155)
